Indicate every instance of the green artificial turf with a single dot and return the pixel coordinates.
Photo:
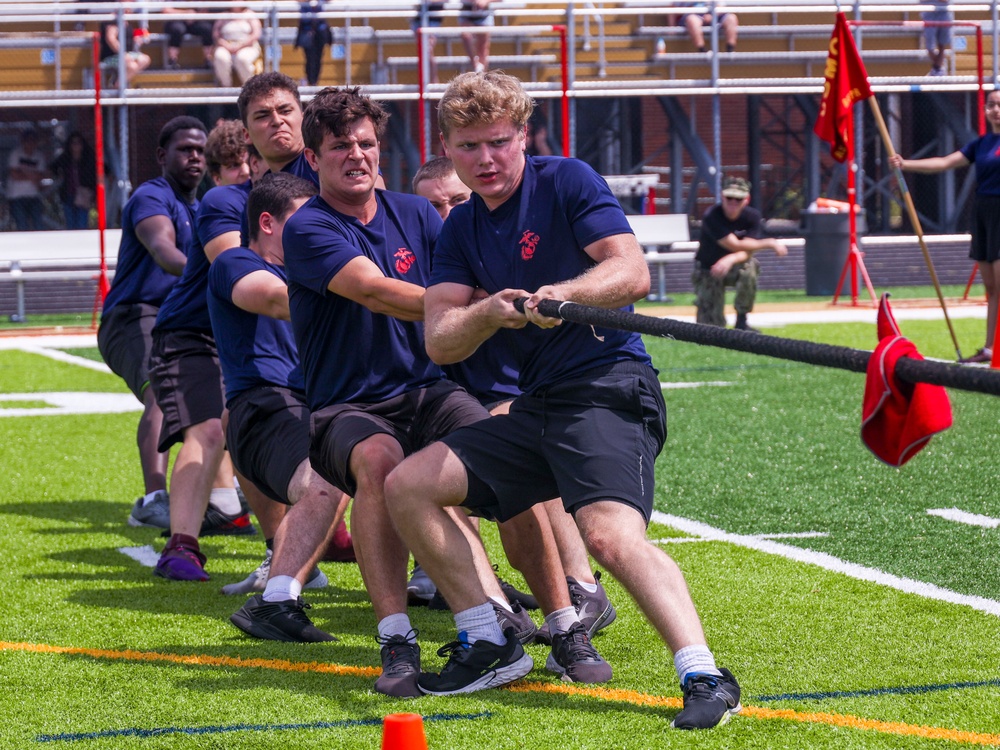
(774, 452)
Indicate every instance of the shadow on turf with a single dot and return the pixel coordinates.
(76, 516)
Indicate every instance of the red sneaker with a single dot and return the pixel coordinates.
(340, 548)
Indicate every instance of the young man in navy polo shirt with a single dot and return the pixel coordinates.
(271, 111)
(158, 226)
(357, 261)
(186, 379)
(591, 419)
(268, 429)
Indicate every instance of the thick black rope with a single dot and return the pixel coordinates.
(979, 380)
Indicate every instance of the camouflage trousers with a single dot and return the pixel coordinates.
(710, 292)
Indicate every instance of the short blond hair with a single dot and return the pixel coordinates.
(483, 99)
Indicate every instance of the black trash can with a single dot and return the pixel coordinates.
(827, 244)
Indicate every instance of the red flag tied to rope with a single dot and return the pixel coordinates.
(898, 418)
(846, 84)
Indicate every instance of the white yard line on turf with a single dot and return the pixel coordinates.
(961, 516)
(705, 384)
(144, 555)
(70, 402)
(828, 562)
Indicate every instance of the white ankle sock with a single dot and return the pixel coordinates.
(590, 588)
(225, 500)
(282, 589)
(694, 659)
(503, 603)
(398, 624)
(479, 624)
(151, 497)
(562, 619)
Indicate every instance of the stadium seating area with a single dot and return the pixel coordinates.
(373, 44)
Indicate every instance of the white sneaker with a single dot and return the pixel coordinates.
(254, 582)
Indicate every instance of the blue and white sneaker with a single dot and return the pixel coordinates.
(155, 514)
(709, 701)
(477, 666)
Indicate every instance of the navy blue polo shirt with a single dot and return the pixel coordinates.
(537, 237)
(984, 152)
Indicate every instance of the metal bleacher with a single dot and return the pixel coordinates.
(616, 51)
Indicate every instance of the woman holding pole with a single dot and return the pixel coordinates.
(984, 153)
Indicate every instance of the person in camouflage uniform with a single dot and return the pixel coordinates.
(730, 236)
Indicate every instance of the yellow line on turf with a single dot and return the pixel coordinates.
(757, 712)
(197, 660)
(607, 694)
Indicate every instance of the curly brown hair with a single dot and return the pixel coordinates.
(333, 110)
(483, 99)
(225, 146)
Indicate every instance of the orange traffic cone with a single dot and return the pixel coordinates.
(403, 732)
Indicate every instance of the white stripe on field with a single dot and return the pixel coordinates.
(144, 555)
(797, 535)
(961, 516)
(69, 402)
(710, 383)
(829, 562)
(72, 359)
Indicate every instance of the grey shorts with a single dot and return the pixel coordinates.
(588, 439)
(268, 437)
(186, 378)
(125, 340)
(469, 16)
(937, 37)
(415, 420)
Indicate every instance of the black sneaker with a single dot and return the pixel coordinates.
(595, 610)
(477, 667)
(709, 701)
(575, 659)
(515, 595)
(524, 627)
(400, 667)
(217, 523)
(437, 602)
(278, 621)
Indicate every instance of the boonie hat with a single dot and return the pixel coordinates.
(735, 187)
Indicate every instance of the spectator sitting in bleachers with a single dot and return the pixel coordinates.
(25, 172)
(429, 11)
(111, 47)
(78, 180)
(696, 23)
(175, 29)
(938, 38)
(477, 46)
(237, 46)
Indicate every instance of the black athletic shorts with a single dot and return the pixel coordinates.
(268, 437)
(592, 438)
(186, 378)
(125, 339)
(415, 419)
(986, 229)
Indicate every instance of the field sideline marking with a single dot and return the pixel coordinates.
(219, 729)
(961, 516)
(795, 535)
(607, 694)
(61, 356)
(829, 562)
(65, 403)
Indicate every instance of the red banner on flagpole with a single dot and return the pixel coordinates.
(846, 84)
